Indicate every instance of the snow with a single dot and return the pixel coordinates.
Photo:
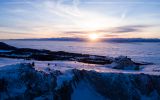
(8, 61)
(84, 91)
(64, 66)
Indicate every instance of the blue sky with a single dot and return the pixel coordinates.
(79, 18)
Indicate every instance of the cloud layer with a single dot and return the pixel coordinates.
(78, 18)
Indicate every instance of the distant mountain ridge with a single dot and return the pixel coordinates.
(133, 40)
(117, 40)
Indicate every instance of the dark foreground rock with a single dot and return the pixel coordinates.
(23, 82)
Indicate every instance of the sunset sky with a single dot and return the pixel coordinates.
(79, 18)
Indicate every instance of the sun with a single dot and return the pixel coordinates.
(93, 37)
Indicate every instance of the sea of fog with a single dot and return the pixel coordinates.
(149, 52)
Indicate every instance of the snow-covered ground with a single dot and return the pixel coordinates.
(64, 66)
(7, 61)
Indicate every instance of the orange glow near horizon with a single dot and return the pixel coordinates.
(93, 37)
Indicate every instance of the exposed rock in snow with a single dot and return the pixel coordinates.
(123, 62)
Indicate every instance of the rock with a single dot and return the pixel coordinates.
(123, 62)
(4, 46)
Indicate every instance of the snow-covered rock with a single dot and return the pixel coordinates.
(123, 62)
(22, 81)
(118, 86)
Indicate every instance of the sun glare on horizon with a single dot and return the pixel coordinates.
(93, 37)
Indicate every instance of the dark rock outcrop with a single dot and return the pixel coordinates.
(4, 46)
(123, 62)
(46, 55)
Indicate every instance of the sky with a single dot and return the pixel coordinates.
(79, 18)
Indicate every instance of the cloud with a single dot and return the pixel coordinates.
(60, 8)
(114, 31)
(12, 32)
(126, 29)
(74, 32)
(109, 2)
(72, 17)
